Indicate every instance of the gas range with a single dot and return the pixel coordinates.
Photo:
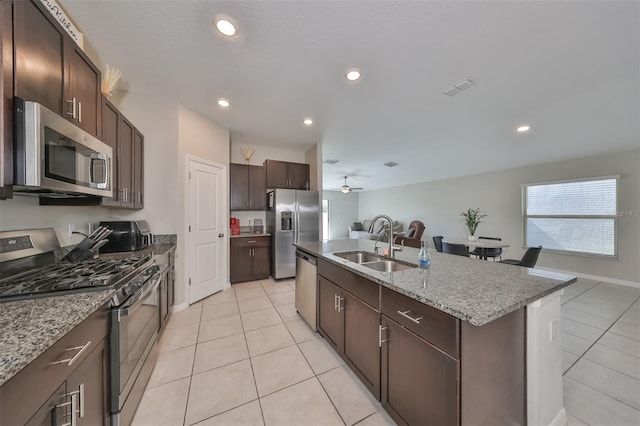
(29, 270)
(67, 277)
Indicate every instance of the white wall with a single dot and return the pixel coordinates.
(438, 205)
(157, 118)
(202, 138)
(262, 152)
(343, 211)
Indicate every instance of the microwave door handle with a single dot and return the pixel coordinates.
(99, 157)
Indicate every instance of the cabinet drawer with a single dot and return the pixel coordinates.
(250, 242)
(360, 287)
(438, 328)
(25, 392)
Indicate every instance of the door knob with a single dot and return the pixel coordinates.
(220, 235)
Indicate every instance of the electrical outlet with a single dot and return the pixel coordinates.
(72, 227)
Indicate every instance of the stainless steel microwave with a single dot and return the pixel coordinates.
(56, 158)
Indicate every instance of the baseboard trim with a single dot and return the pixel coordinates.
(180, 307)
(595, 277)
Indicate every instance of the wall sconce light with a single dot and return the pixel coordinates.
(247, 153)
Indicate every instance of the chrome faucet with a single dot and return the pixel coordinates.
(392, 248)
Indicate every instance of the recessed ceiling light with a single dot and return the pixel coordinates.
(308, 122)
(225, 27)
(353, 75)
(523, 129)
(223, 103)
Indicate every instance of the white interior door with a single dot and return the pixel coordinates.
(207, 253)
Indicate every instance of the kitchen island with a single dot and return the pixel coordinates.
(466, 342)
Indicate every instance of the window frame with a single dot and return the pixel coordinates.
(526, 216)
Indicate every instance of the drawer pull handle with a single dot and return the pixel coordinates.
(409, 317)
(252, 241)
(70, 361)
(340, 303)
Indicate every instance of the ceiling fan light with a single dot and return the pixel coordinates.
(346, 189)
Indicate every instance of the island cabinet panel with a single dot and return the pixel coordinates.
(329, 318)
(419, 381)
(247, 187)
(493, 358)
(440, 329)
(44, 391)
(361, 287)
(282, 174)
(349, 323)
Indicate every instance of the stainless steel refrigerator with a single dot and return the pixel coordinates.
(292, 217)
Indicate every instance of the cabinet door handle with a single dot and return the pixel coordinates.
(380, 341)
(340, 304)
(335, 302)
(70, 361)
(71, 413)
(139, 197)
(79, 112)
(73, 108)
(409, 317)
(252, 241)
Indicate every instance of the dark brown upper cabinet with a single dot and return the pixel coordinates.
(6, 100)
(50, 68)
(247, 187)
(282, 174)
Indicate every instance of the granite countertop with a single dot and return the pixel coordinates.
(472, 290)
(248, 235)
(30, 327)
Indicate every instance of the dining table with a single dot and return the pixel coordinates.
(481, 243)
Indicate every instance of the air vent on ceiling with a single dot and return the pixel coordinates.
(459, 87)
(391, 164)
(330, 161)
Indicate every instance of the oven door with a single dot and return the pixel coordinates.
(134, 330)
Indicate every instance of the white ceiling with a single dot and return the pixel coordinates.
(570, 69)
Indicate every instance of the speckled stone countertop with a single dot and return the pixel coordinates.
(30, 327)
(248, 235)
(476, 291)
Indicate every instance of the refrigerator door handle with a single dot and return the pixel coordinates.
(296, 222)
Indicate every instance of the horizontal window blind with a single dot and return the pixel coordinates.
(576, 216)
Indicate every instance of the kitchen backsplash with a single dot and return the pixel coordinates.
(162, 239)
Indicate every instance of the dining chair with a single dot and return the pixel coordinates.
(437, 243)
(457, 249)
(488, 252)
(529, 259)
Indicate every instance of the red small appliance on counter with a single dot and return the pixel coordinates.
(235, 226)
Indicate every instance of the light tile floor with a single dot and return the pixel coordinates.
(601, 353)
(245, 357)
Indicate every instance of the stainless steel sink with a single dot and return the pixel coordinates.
(388, 266)
(359, 256)
(374, 261)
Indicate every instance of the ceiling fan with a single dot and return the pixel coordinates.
(346, 188)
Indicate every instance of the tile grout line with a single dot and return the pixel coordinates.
(193, 364)
(605, 394)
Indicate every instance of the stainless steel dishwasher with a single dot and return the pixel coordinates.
(306, 287)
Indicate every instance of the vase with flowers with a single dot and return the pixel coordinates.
(473, 218)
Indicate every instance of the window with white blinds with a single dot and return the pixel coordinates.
(576, 216)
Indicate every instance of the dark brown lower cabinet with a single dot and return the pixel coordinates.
(351, 327)
(419, 381)
(250, 258)
(50, 391)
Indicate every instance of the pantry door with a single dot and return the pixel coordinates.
(206, 229)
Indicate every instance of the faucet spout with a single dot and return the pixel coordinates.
(392, 247)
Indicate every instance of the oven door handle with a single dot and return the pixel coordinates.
(133, 304)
